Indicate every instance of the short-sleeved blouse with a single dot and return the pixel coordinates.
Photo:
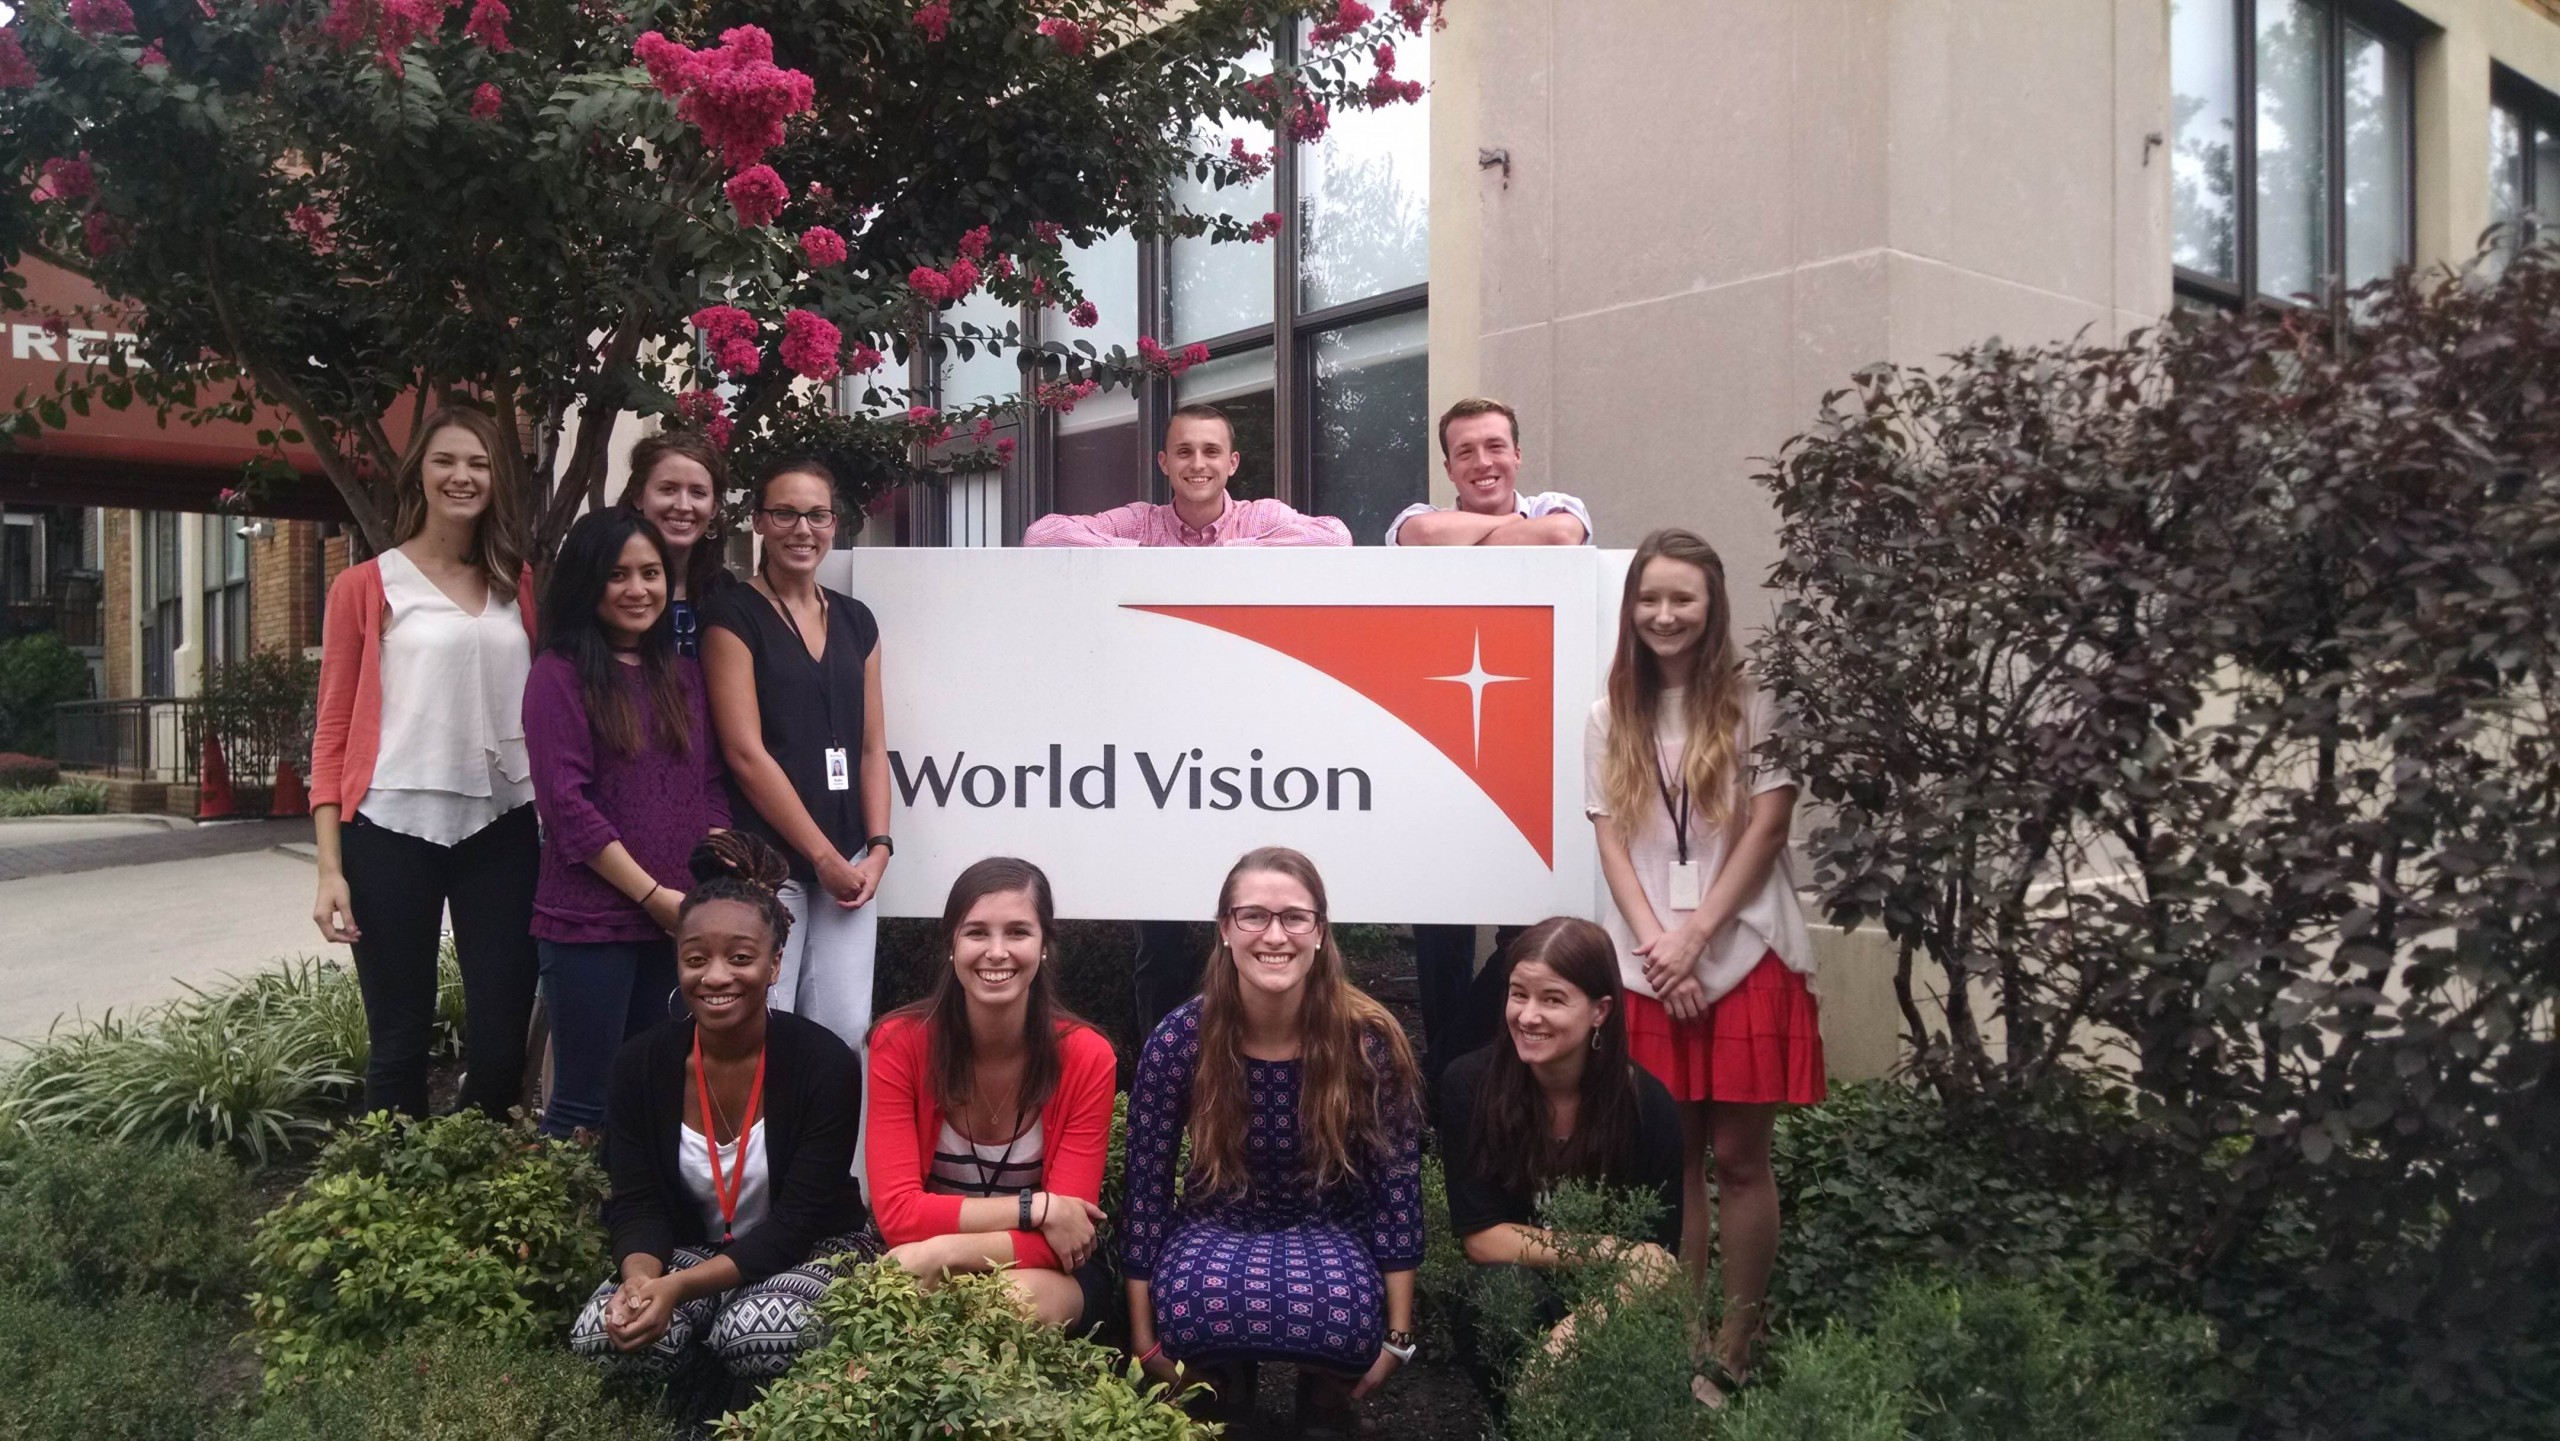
(1770, 920)
(806, 707)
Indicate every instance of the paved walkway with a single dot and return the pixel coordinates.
(112, 913)
(57, 846)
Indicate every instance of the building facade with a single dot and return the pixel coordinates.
(1663, 230)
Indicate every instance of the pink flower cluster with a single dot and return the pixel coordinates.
(488, 25)
(734, 94)
(1348, 16)
(1003, 268)
(730, 335)
(1004, 451)
(100, 235)
(864, 358)
(1414, 14)
(811, 344)
(1254, 162)
(101, 17)
(706, 411)
(1048, 232)
(1084, 315)
(392, 25)
(1169, 362)
(1385, 89)
(757, 194)
(312, 224)
(1265, 228)
(973, 245)
(933, 19)
(822, 247)
(152, 58)
(17, 72)
(923, 418)
(947, 285)
(67, 177)
(1062, 395)
(1306, 117)
(1066, 34)
(485, 102)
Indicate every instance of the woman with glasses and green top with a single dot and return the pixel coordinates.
(794, 675)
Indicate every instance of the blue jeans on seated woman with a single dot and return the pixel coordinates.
(600, 993)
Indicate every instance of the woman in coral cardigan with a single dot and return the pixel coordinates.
(421, 788)
(991, 1108)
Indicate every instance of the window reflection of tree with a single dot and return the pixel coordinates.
(1362, 230)
(2204, 155)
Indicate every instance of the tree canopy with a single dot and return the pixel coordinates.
(571, 210)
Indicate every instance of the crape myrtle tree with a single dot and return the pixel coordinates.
(569, 210)
(2185, 710)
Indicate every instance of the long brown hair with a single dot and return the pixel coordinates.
(944, 1011)
(1514, 1145)
(1358, 1088)
(1711, 709)
(704, 566)
(575, 587)
(497, 541)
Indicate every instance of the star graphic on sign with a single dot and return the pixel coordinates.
(1475, 680)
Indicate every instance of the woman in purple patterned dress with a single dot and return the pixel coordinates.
(1300, 1220)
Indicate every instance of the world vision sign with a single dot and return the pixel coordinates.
(1134, 720)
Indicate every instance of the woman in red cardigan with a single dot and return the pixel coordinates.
(991, 1108)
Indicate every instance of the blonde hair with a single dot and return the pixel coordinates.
(497, 540)
(1711, 709)
(1359, 1088)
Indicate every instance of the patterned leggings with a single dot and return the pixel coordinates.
(757, 1331)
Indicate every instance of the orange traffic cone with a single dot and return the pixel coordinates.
(287, 799)
(213, 783)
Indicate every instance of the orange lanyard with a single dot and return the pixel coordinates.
(727, 1195)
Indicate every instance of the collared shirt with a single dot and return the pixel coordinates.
(1243, 522)
(1532, 507)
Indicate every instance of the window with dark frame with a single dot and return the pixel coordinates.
(2524, 160)
(2292, 146)
(1317, 342)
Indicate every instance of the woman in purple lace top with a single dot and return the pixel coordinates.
(1299, 1225)
(627, 779)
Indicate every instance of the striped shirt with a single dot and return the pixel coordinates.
(962, 1167)
(1243, 522)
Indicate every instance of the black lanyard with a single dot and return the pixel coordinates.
(826, 691)
(1679, 814)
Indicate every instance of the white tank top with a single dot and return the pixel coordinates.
(962, 1167)
(452, 757)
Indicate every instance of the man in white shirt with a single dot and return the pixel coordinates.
(1480, 451)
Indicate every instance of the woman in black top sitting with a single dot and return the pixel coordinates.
(1555, 1099)
(729, 1137)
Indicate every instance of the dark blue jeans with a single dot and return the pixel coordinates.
(601, 993)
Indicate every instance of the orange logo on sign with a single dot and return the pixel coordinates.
(1477, 681)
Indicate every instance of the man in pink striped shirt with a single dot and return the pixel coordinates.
(1198, 459)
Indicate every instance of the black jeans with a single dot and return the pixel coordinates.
(400, 887)
(1166, 970)
(1460, 1009)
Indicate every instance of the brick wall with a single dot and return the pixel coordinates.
(284, 598)
(117, 542)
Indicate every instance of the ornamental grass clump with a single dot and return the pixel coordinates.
(960, 1360)
(458, 1224)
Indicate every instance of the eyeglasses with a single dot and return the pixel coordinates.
(1297, 920)
(783, 517)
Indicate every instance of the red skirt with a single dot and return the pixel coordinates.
(1762, 1043)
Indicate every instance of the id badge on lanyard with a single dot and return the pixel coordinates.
(1688, 886)
(839, 772)
(1687, 890)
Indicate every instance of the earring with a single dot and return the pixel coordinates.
(1595, 1038)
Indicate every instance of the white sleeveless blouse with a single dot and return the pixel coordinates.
(452, 757)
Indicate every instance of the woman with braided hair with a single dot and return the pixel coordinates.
(729, 1138)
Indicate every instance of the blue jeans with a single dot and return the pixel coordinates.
(601, 993)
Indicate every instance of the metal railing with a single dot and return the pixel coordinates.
(161, 738)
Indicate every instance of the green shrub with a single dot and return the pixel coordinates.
(139, 1368)
(210, 1070)
(959, 1361)
(458, 1222)
(86, 1220)
(1625, 1377)
(444, 1387)
(2059, 1360)
(70, 798)
(22, 772)
(37, 672)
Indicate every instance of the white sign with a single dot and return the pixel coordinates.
(1134, 720)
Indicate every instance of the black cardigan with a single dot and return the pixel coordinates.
(812, 1105)
(1475, 1206)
